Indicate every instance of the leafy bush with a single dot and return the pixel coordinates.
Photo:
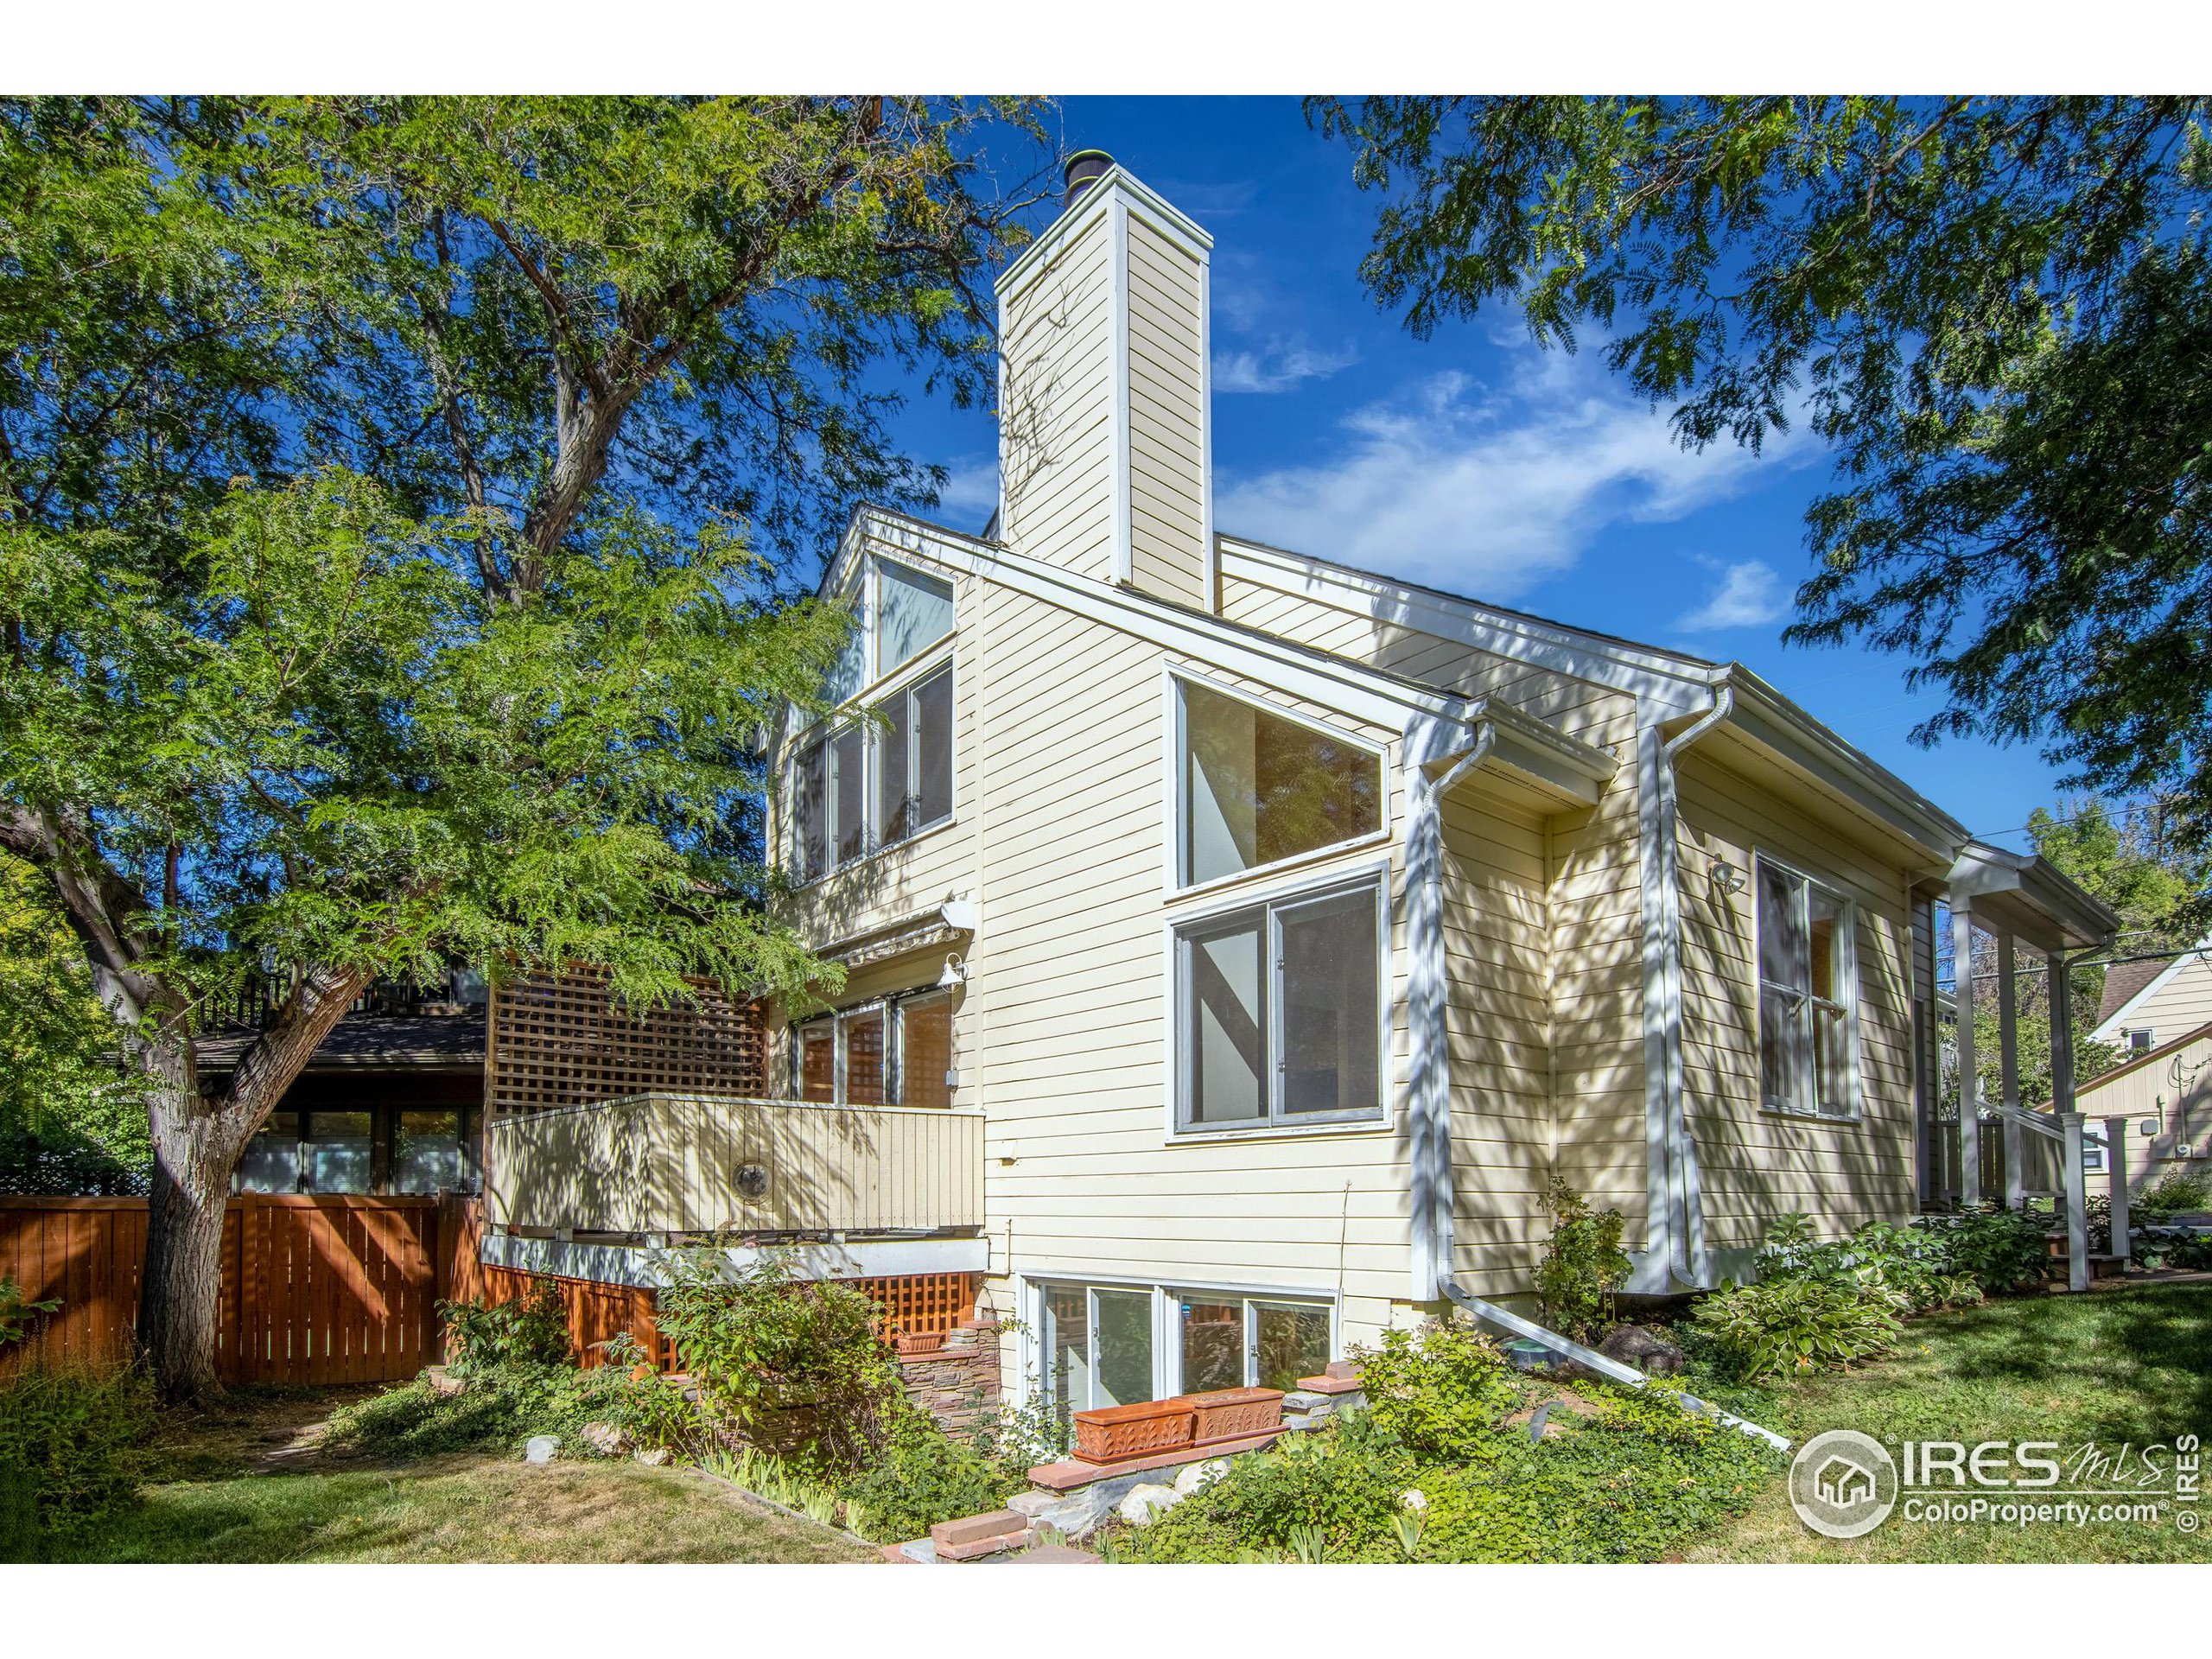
(1439, 1392)
(17, 1313)
(1911, 1263)
(1999, 1249)
(1333, 1494)
(74, 1445)
(790, 1365)
(2175, 1192)
(926, 1476)
(532, 1330)
(1780, 1326)
(1628, 1485)
(1583, 1263)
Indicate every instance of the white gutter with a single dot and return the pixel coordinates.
(1428, 1081)
(1591, 1359)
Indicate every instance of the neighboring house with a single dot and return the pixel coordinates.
(2164, 1096)
(1236, 941)
(2147, 1004)
(392, 1102)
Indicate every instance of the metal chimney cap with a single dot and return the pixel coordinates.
(1084, 168)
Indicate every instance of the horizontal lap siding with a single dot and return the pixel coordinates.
(1757, 1165)
(1497, 941)
(2179, 1007)
(1167, 552)
(1593, 713)
(1597, 977)
(1070, 981)
(1057, 436)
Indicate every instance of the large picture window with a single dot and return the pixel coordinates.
(838, 816)
(1256, 787)
(1279, 1018)
(1808, 997)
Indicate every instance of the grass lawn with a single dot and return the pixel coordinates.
(2117, 1367)
(247, 1483)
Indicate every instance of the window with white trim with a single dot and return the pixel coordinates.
(861, 788)
(1279, 1014)
(1255, 787)
(1102, 1344)
(1808, 1051)
(914, 758)
(2138, 1040)
(895, 1052)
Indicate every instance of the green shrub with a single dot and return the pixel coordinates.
(1911, 1262)
(925, 1476)
(1780, 1326)
(1629, 1485)
(73, 1447)
(1439, 1392)
(1334, 1494)
(1999, 1249)
(1583, 1263)
(2175, 1192)
(17, 1313)
(532, 1330)
(793, 1366)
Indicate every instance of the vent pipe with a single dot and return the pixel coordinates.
(1084, 168)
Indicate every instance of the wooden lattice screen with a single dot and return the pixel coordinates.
(565, 1040)
(918, 1303)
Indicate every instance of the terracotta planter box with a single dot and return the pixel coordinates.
(921, 1342)
(1112, 1433)
(1227, 1414)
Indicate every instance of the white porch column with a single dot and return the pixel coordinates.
(2116, 1178)
(1969, 1076)
(2062, 1035)
(2077, 1197)
(2008, 1062)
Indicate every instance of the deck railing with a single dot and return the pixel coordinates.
(701, 1164)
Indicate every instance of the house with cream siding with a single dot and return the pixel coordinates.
(1273, 930)
(2151, 1002)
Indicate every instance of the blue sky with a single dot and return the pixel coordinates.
(1474, 460)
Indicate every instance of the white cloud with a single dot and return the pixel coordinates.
(971, 492)
(1749, 594)
(1490, 490)
(1277, 368)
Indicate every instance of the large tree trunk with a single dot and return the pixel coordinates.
(179, 1292)
(197, 1143)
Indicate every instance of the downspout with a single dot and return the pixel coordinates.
(1685, 1211)
(1429, 1083)
(1591, 1359)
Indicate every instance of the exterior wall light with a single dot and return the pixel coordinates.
(1727, 877)
(955, 974)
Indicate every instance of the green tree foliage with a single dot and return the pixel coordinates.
(1997, 312)
(2121, 857)
(72, 1116)
(389, 493)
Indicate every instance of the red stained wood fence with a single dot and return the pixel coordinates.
(326, 1288)
(336, 1288)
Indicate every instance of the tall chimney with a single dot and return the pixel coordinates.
(1104, 434)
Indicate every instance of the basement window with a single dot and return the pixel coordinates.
(1256, 787)
(1809, 1014)
(1122, 1344)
